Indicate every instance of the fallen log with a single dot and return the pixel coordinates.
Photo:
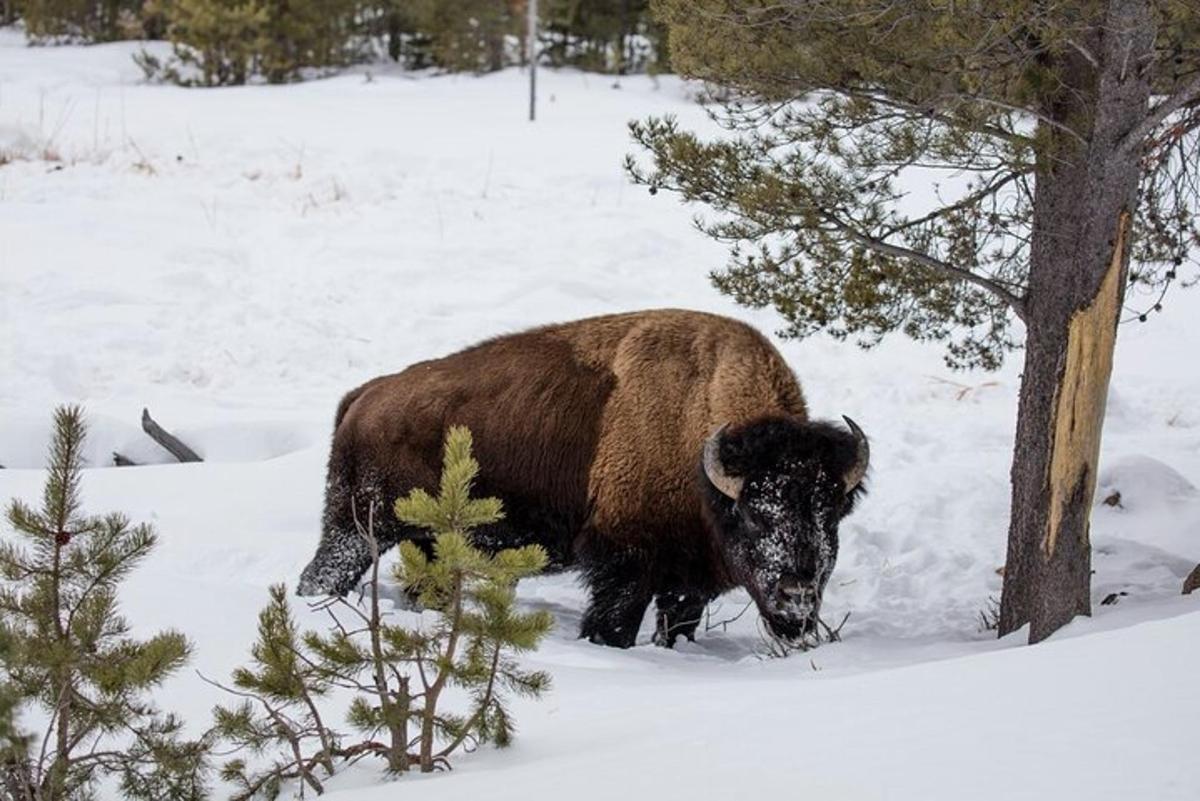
(164, 438)
(121, 460)
(1192, 582)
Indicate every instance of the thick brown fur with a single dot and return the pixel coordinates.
(590, 432)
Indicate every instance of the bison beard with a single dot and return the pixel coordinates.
(665, 455)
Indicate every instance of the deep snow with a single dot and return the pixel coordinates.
(236, 259)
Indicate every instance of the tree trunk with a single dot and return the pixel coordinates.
(1086, 190)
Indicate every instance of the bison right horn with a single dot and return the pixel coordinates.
(729, 486)
(858, 470)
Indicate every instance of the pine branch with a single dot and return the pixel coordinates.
(1016, 303)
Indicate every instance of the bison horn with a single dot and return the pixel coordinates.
(858, 470)
(730, 486)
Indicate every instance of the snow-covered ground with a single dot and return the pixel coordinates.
(236, 259)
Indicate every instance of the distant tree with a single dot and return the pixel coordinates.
(469, 35)
(79, 20)
(1056, 147)
(229, 42)
(68, 652)
(8, 12)
(599, 35)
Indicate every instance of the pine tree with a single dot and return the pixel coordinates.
(1065, 134)
(467, 35)
(477, 627)
(280, 689)
(227, 42)
(14, 744)
(476, 596)
(81, 20)
(467, 638)
(69, 652)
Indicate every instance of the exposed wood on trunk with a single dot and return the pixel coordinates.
(1079, 407)
(164, 438)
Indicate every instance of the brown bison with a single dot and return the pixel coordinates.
(666, 455)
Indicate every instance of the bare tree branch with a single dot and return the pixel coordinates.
(1016, 303)
(1189, 93)
(163, 437)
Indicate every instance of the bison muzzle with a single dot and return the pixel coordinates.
(666, 455)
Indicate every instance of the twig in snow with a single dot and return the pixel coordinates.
(724, 624)
(777, 648)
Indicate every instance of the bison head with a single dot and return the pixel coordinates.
(344, 553)
(779, 487)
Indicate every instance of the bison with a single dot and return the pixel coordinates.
(666, 455)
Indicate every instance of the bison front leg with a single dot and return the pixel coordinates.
(620, 594)
(678, 615)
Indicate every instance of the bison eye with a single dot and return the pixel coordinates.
(752, 520)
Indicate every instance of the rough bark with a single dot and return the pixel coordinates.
(1085, 193)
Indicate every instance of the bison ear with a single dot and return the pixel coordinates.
(729, 486)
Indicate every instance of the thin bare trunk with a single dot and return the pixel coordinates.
(429, 719)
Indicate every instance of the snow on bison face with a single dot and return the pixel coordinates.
(344, 554)
(782, 486)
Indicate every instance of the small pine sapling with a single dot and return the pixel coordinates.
(69, 653)
(402, 672)
(479, 624)
(397, 674)
(279, 691)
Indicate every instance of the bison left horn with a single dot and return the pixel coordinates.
(729, 486)
(858, 470)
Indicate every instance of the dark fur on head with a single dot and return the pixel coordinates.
(780, 535)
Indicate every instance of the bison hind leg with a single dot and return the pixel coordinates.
(620, 594)
(678, 615)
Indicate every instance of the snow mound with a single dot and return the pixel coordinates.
(1146, 530)
(1144, 483)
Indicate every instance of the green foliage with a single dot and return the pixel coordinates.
(278, 711)
(467, 35)
(69, 652)
(14, 744)
(838, 109)
(453, 511)
(616, 36)
(227, 42)
(467, 639)
(49, 21)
